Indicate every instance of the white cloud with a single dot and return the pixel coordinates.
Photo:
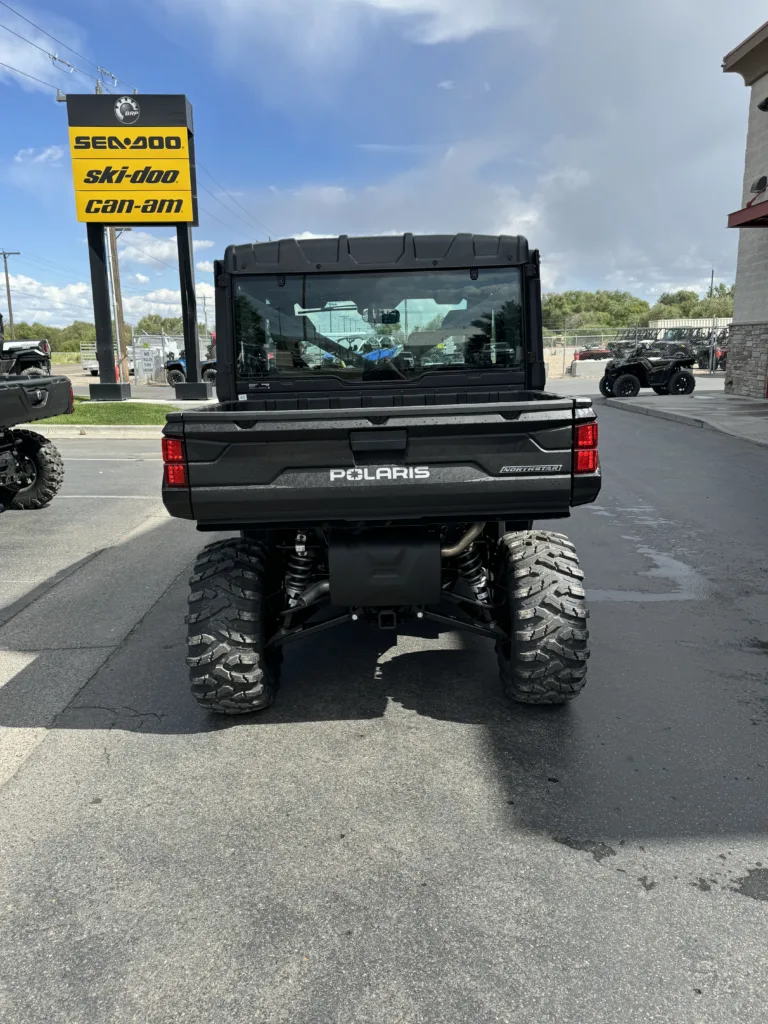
(447, 84)
(206, 266)
(51, 155)
(439, 21)
(141, 278)
(31, 61)
(33, 300)
(142, 247)
(57, 306)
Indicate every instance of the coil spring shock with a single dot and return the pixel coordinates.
(299, 570)
(471, 568)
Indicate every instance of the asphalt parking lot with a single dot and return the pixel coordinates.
(391, 841)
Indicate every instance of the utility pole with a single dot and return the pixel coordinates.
(8, 287)
(122, 352)
(712, 284)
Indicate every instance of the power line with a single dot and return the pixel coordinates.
(229, 227)
(157, 259)
(52, 263)
(54, 87)
(237, 202)
(56, 60)
(102, 71)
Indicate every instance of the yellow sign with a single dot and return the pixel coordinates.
(132, 158)
(134, 142)
(110, 206)
(105, 173)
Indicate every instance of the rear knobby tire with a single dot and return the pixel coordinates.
(230, 671)
(542, 591)
(682, 382)
(606, 387)
(45, 468)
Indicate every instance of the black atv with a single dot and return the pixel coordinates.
(625, 376)
(31, 467)
(30, 358)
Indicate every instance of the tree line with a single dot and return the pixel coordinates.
(577, 309)
(70, 338)
(572, 310)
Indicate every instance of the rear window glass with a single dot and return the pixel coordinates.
(362, 326)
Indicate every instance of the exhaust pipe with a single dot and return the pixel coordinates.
(468, 539)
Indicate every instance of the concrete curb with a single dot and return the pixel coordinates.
(627, 405)
(60, 432)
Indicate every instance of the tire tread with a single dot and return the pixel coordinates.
(229, 671)
(546, 660)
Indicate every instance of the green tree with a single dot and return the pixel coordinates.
(718, 305)
(150, 324)
(684, 300)
(662, 311)
(600, 308)
(503, 327)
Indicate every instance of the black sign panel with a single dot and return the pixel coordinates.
(129, 111)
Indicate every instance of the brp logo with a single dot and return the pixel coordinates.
(127, 110)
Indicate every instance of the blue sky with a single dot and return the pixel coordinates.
(606, 133)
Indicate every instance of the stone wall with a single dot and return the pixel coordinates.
(748, 345)
(747, 371)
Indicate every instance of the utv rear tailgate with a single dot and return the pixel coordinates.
(495, 460)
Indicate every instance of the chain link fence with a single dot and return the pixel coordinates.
(597, 344)
(149, 354)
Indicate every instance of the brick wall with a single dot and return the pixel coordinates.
(748, 346)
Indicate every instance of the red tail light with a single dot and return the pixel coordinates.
(586, 435)
(585, 458)
(174, 463)
(585, 461)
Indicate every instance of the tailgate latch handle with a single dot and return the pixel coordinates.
(378, 440)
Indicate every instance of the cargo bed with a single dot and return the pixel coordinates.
(251, 465)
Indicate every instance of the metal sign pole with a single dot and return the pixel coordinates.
(193, 387)
(107, 390)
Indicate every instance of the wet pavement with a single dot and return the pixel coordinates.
(391, 841)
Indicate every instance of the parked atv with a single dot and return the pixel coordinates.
(31, 467)
(176, 371)
(624, 377)
(31, 358)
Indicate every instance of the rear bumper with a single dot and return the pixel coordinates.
(451, 494)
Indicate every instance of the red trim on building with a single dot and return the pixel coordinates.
(751, 217)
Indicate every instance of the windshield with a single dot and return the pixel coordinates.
(393, 326)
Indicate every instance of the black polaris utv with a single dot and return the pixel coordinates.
(625, 376)
(31, 467)
(387, 471)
